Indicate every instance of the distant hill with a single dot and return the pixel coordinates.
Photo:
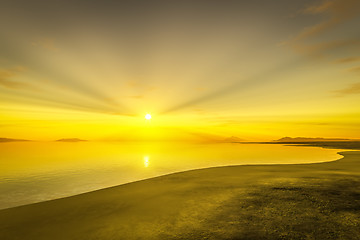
(304, 139)
(70, 140)
(233, 139)
(12, 140)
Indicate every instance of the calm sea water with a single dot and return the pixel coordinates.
(33, 172)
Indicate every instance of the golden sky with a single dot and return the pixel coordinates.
(205, 70)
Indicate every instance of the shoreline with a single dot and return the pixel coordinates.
(208, 202)
(340, 153)
(335, 156)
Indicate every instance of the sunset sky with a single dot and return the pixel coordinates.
(204, 70)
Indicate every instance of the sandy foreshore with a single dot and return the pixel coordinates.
(300, 201)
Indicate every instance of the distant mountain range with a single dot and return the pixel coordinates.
(12, 140)
(304, 139)
(70, 140)
(233, 139)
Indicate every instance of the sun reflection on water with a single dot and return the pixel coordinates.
(146, 161)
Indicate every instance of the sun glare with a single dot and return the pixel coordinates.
(148, 116)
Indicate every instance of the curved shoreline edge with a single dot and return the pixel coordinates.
(341, 153)
(191, 204)
(180, 172)
(330, 157)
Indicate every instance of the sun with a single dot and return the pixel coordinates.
(147, 116)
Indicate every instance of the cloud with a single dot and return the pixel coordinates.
(323, 47)
(354, 69)
(348, 60)
(352, 89)
(6, 81)
(200, 111)
(46, 43)
(337, 12)
(316, 9)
